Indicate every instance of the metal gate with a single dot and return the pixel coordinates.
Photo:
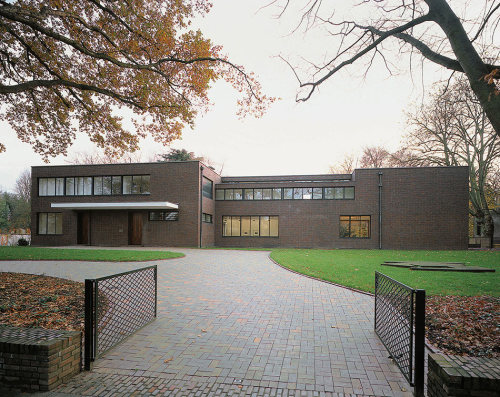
(400, 325)
(116, 306)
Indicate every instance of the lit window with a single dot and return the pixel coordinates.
(250, 226)
(355, 226)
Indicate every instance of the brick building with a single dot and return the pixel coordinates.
(188, 204)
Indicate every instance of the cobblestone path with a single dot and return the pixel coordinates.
(234, 323)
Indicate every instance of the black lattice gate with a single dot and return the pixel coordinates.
(400, 325)
(117, 306)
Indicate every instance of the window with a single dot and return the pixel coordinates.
(257, 194)
(248, 194)
(116, 185)
(238, 194)
(329, 193)
(349, 193)
(50, 186)
(70, 186)
(250, 226)
(49, 223)
(277, 193)
(317, 193)
(229, 195)
(170, 215)
(219, 194)
(339, 193)
(98, 185)
(135, 184)
(355, 226)
(267, 194)
(207, 218)
(59, 186)
(83, 185)
(306, 193)
(297, 193)
(208, 188)
(288, 193)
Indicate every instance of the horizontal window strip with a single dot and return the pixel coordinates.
(250, 226)
(101, 185)
(286, 193)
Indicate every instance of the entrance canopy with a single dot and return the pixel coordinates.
(141, 205)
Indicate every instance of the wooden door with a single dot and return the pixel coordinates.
(83, 228)
(135, 228)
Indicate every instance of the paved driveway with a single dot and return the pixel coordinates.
(232, 322)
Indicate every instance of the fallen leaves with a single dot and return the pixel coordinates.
(28, 300)
(464, 325)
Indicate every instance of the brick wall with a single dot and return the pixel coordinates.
(38, 359)
(463, 376)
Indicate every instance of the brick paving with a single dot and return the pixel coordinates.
(234, 323)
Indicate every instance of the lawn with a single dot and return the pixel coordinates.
(94, 255)
(356, 268)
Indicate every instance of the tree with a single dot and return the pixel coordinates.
(73, 65)
(452, 129)
(22, 187)
(374, 157)
(429, 27)
(86, 158)
(178, 155)
(346, 166)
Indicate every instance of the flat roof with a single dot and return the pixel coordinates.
(141, 205)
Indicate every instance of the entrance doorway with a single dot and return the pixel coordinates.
(83, 228)
(135, 228)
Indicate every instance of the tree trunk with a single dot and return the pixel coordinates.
(472, 64)
(488, 227)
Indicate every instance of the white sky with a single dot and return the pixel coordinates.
(347, 113)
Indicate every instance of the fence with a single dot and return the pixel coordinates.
(400, 325)
(116, 307)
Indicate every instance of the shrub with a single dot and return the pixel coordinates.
(22, 242)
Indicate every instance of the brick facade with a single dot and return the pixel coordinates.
(420, 208)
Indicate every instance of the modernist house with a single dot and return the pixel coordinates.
(189, 204)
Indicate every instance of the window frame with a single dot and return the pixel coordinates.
(162, 217)
(349, 236)
(255, 222)
(204, 190)
(56, 223)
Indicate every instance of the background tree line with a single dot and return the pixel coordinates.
(15, 208)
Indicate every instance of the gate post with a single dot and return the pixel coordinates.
(89, 324)
(419, 342)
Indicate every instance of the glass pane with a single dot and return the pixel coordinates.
(58, 223)
(277, 193)
(87, 181)
(267, 194)
(264, 226)
(297, 193)
(355, 228)
(59, 186)
(238, 194)
(79, 186)
(288, 193)
(248, 194)
(226, 225)
(219, 194)
(51, 186)
(207, 188)
(154, 216)
(51, 223)
(307, 193)
(344, 226)
(257, 194)
(273, 226)
(127, 184)
(42, 186)
(339, 193)
(235, 226)
(98, 185)
(70, 186)
(317, 193)
(170, 216)
(254, 226)
(349, 192)
(145, 186)
(106, 185)
(229, 194)
(42, 223)
(116, 182)
(329, 193)
(136, 184)
(245, 226)
(364, 228)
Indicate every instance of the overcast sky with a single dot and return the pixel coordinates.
(349, 111)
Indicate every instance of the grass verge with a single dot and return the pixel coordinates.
(356, 269)
(97, 255)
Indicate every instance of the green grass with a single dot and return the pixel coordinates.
(35, 253)
(356, 269)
